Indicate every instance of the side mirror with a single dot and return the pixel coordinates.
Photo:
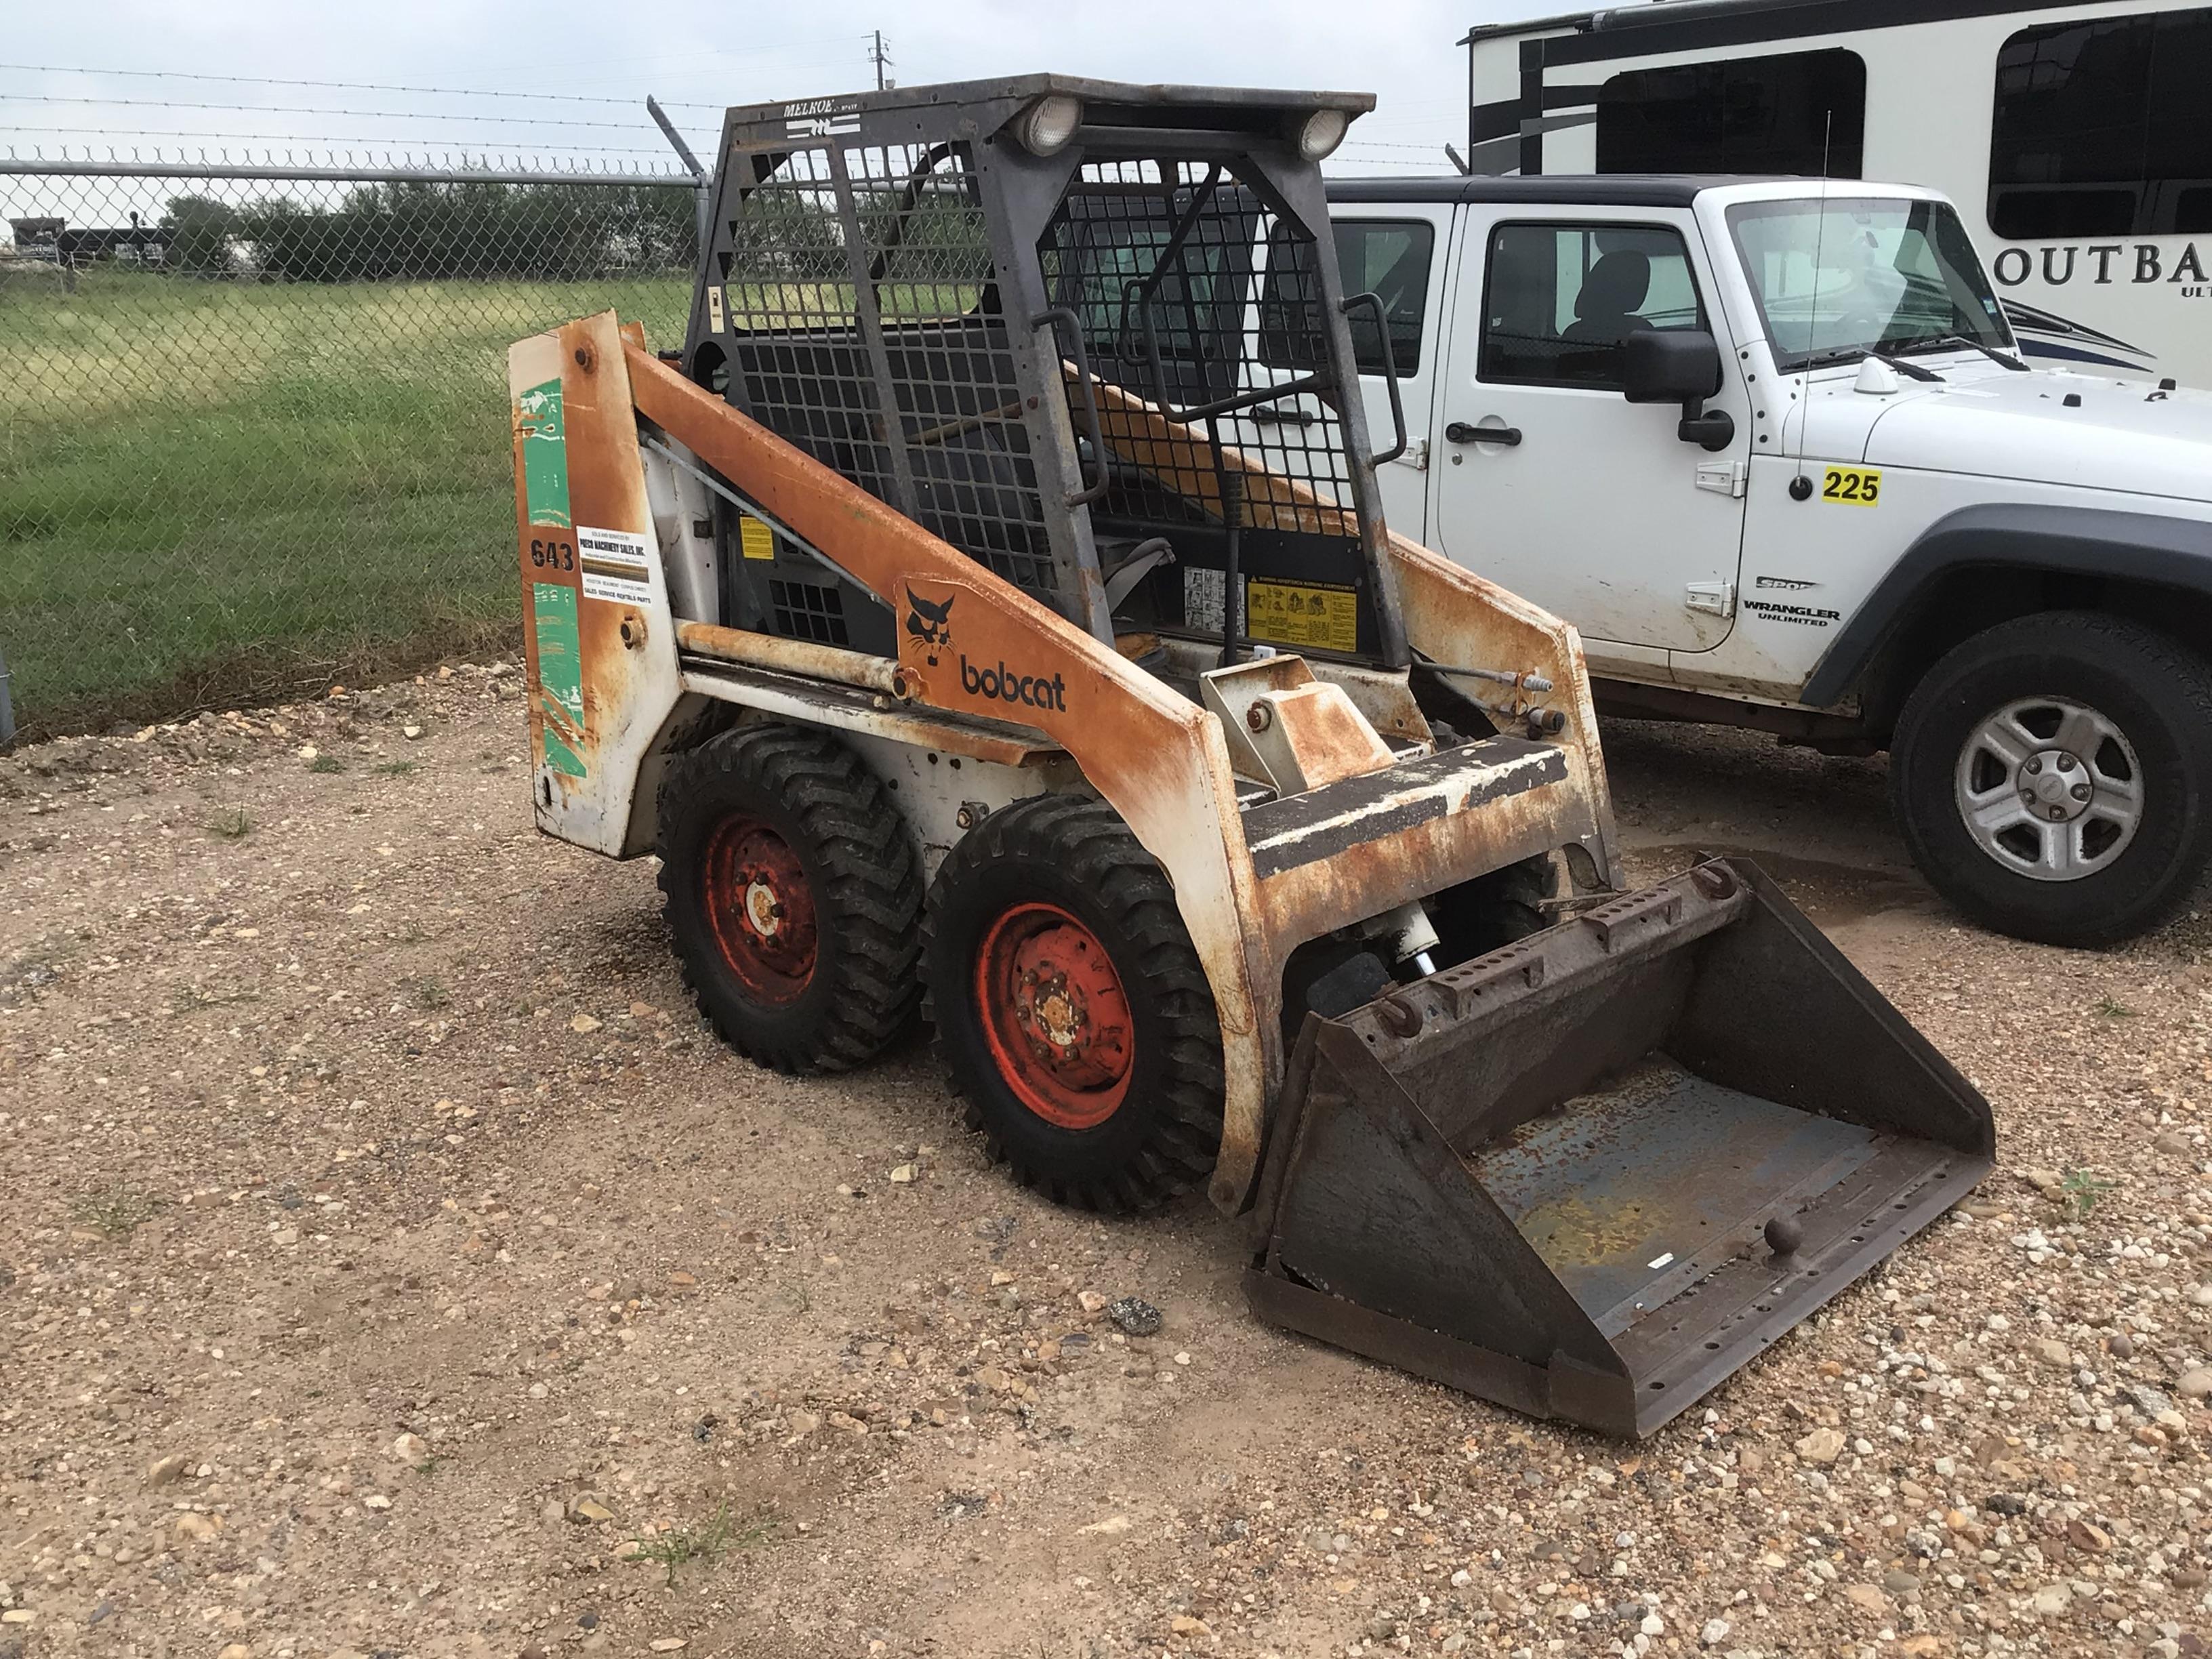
(1669, 366)
(1678, 366)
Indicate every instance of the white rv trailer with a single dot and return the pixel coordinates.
(2076, 139)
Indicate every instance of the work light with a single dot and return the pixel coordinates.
(1046, 124)
(1322, 133)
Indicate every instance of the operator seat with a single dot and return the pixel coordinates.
(1605, 311)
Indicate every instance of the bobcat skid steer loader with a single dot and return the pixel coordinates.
(989, 611)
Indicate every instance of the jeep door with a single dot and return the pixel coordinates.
(1547, 479)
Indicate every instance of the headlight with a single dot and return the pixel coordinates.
(1323, 131)
(1045, 126)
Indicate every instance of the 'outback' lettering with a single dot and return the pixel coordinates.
(2106, 264)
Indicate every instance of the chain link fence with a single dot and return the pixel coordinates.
(253, 419)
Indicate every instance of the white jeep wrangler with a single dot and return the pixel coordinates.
(1768, 446)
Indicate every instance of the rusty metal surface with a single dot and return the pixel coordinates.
(1428, 825)
(1157, 759)
(788, 656)
(854, 709)
(587, 748)
(1288, 729)
(1548, 1175)
(1454, 615)
(1007, 678)
(1623, 1191)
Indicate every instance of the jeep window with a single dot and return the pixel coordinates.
(2098, 129)
(1560, 298)
(1794, 112)
(1845, 276)
(1390, 259)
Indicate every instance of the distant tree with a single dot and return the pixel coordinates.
(201, 232)
(557, 231)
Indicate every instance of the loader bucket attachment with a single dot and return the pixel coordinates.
(1591, 1175)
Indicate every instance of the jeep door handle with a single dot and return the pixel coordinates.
(1460, 432)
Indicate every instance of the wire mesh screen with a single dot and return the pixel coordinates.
(1163, 263)
(867, 330)
(254, 430)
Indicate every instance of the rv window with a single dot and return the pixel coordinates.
(2098, 129)
(1794, 112)
(1561, 298)
(1388, 258)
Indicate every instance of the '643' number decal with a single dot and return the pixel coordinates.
(1856, 486)
(550, 553)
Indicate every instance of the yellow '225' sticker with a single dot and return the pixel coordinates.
(1859, 486)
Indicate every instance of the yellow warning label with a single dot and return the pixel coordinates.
(756, 540)
(1326, 618)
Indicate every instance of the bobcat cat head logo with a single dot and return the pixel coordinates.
(928, 623)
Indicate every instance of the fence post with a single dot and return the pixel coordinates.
(702, 181)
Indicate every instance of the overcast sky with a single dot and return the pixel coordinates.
(63, 84)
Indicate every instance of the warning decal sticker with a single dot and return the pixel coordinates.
(559, 674)
(616, 567)
(544, 454)
(1282, 613)
(755, 538)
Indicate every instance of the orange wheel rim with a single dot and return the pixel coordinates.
(760, 906)
(1055, 1015)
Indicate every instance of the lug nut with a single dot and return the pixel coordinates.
(2081, 792)
(2056, 813)
(2066, 762)
(2035, 763)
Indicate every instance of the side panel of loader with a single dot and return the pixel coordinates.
(600, 641)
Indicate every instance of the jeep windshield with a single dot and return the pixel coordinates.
(1855, 276)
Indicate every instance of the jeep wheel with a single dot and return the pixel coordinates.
(2051, 776)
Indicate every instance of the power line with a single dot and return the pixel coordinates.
(372, 86)
(340, 141)
(304, 109)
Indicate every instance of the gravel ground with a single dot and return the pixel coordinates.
(391, 1264)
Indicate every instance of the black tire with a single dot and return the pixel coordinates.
(846, 856)
(1073, 858)
(2157, 693)
(1493, 911)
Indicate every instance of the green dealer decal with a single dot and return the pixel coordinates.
(559, 674)
(545, 454)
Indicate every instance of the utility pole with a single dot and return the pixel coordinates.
(881, 61)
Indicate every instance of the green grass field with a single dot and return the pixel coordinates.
(213, 490)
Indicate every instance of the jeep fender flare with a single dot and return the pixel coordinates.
(2083, 541)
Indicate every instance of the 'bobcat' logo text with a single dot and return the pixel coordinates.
(1033, 690)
